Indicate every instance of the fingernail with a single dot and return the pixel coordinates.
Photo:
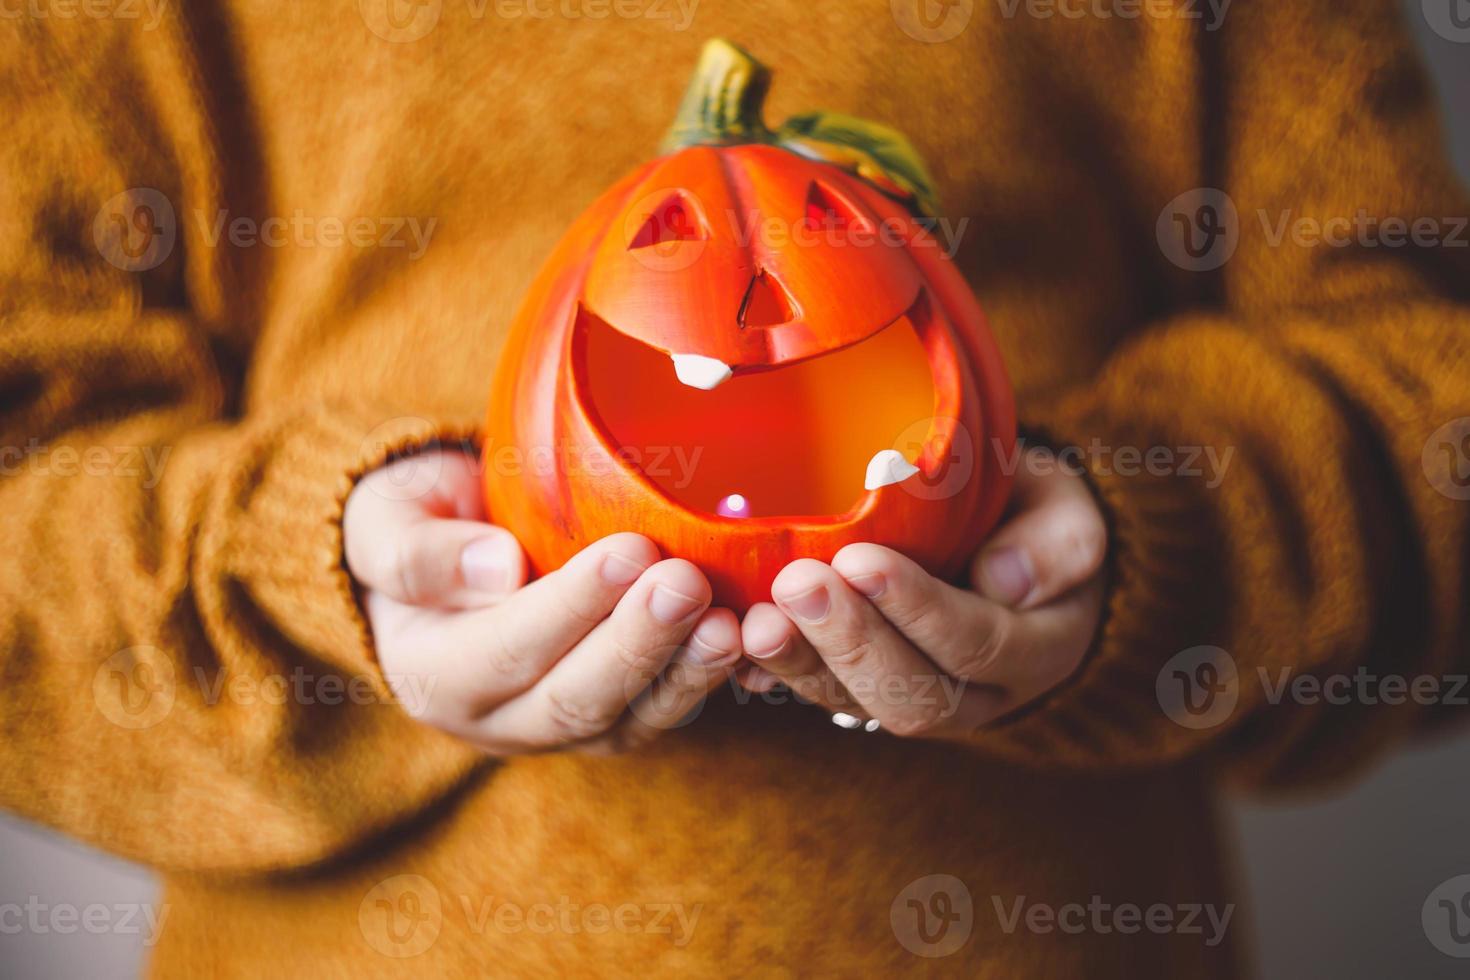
(1006, 576)
(486, 562)
(871, 585)
(768, 654)
(671, 607)
(620, 569)
(810, 606)
(706, 651)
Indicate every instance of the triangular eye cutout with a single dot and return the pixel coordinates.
(765, 304)
(675, 220)
(829, 211)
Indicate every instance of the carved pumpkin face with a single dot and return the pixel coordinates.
(751, 356)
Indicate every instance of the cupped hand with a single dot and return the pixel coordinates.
(875, 636)
(600, 655)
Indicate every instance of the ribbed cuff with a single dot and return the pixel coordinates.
(270, 578)
(289, 538)
(1162, 598)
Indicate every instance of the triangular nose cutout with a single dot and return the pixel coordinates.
(766, 303)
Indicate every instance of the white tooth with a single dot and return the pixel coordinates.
(698, 371)
(887, 466)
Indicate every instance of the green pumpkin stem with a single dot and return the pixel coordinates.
(723, 102)
(722, 107)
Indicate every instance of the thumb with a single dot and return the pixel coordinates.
(1055, 541)
(400, 545)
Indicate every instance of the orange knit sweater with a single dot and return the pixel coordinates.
(342, 211)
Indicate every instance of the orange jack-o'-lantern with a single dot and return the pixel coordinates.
(753, 350)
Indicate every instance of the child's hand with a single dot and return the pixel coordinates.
(875, 636)
(601, 654)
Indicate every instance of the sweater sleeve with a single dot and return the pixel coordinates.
(187, 680)
(1292, 562)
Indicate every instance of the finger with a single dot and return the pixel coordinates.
(677, 696)
(890, 679)
(1059, 634)
(756, 679)
(1017, 655)
(481, 658)
(445, 564)
(429, 547)
(1055, 541)
(440, 482)
(780, 651)
(966, 635)
(592, 686)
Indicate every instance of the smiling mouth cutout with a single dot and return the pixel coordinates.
(809, 439)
